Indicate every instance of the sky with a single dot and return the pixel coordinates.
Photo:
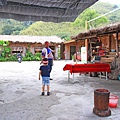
(111, 1)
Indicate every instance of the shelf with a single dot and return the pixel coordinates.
(97, 48)
(92, 42)
(110, 55)
(94, 47)
(100, 48)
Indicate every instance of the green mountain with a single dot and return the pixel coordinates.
(49, 28)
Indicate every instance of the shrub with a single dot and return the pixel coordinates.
(2, 59)
(37, 57)
(13, 58)
(30, 57)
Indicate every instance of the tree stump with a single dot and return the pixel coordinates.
(115, 69)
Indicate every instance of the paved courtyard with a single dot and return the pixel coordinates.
(20, 91)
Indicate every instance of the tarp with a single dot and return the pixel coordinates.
(44, 10)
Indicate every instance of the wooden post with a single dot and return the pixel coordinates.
(117, 44)
(62, 46)
(76, 50)
(86, 45)
(110, 38)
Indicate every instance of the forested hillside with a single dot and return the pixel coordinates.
(13, 27)
(64, 30)
(103, 8)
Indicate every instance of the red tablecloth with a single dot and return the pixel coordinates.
(81, 68)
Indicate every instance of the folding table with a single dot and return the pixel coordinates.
(83, 68)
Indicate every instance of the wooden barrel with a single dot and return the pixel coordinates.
(101, 102)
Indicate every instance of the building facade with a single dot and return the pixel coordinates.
(20, 44)
(71, 47)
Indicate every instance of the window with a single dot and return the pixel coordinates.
(38, 49)
(17, 49)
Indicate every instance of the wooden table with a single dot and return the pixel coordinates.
(83, 68)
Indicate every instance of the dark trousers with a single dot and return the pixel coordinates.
(50, 63)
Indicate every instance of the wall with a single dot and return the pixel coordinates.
(109, 41)
(56, 51)
(105, 42)
(67, 47)
(33, 47)
(24, 47)
(113, 42)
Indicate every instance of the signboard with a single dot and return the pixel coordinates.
(83, 55)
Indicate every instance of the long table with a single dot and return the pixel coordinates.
(83, 68)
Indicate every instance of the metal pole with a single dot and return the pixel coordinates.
(73, 78)
(68, 75)
(103, 15)
(86, 25)
(106, 75)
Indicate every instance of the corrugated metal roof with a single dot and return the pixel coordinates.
(31, 39)
(44, 10)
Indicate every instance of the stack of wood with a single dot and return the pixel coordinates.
(115, 69)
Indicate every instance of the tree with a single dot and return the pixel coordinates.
(90, 14)
(5, 49)
(102, 8)
(65, 36)
(9, 26)
(7, 30)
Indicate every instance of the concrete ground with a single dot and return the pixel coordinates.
(20, 91)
